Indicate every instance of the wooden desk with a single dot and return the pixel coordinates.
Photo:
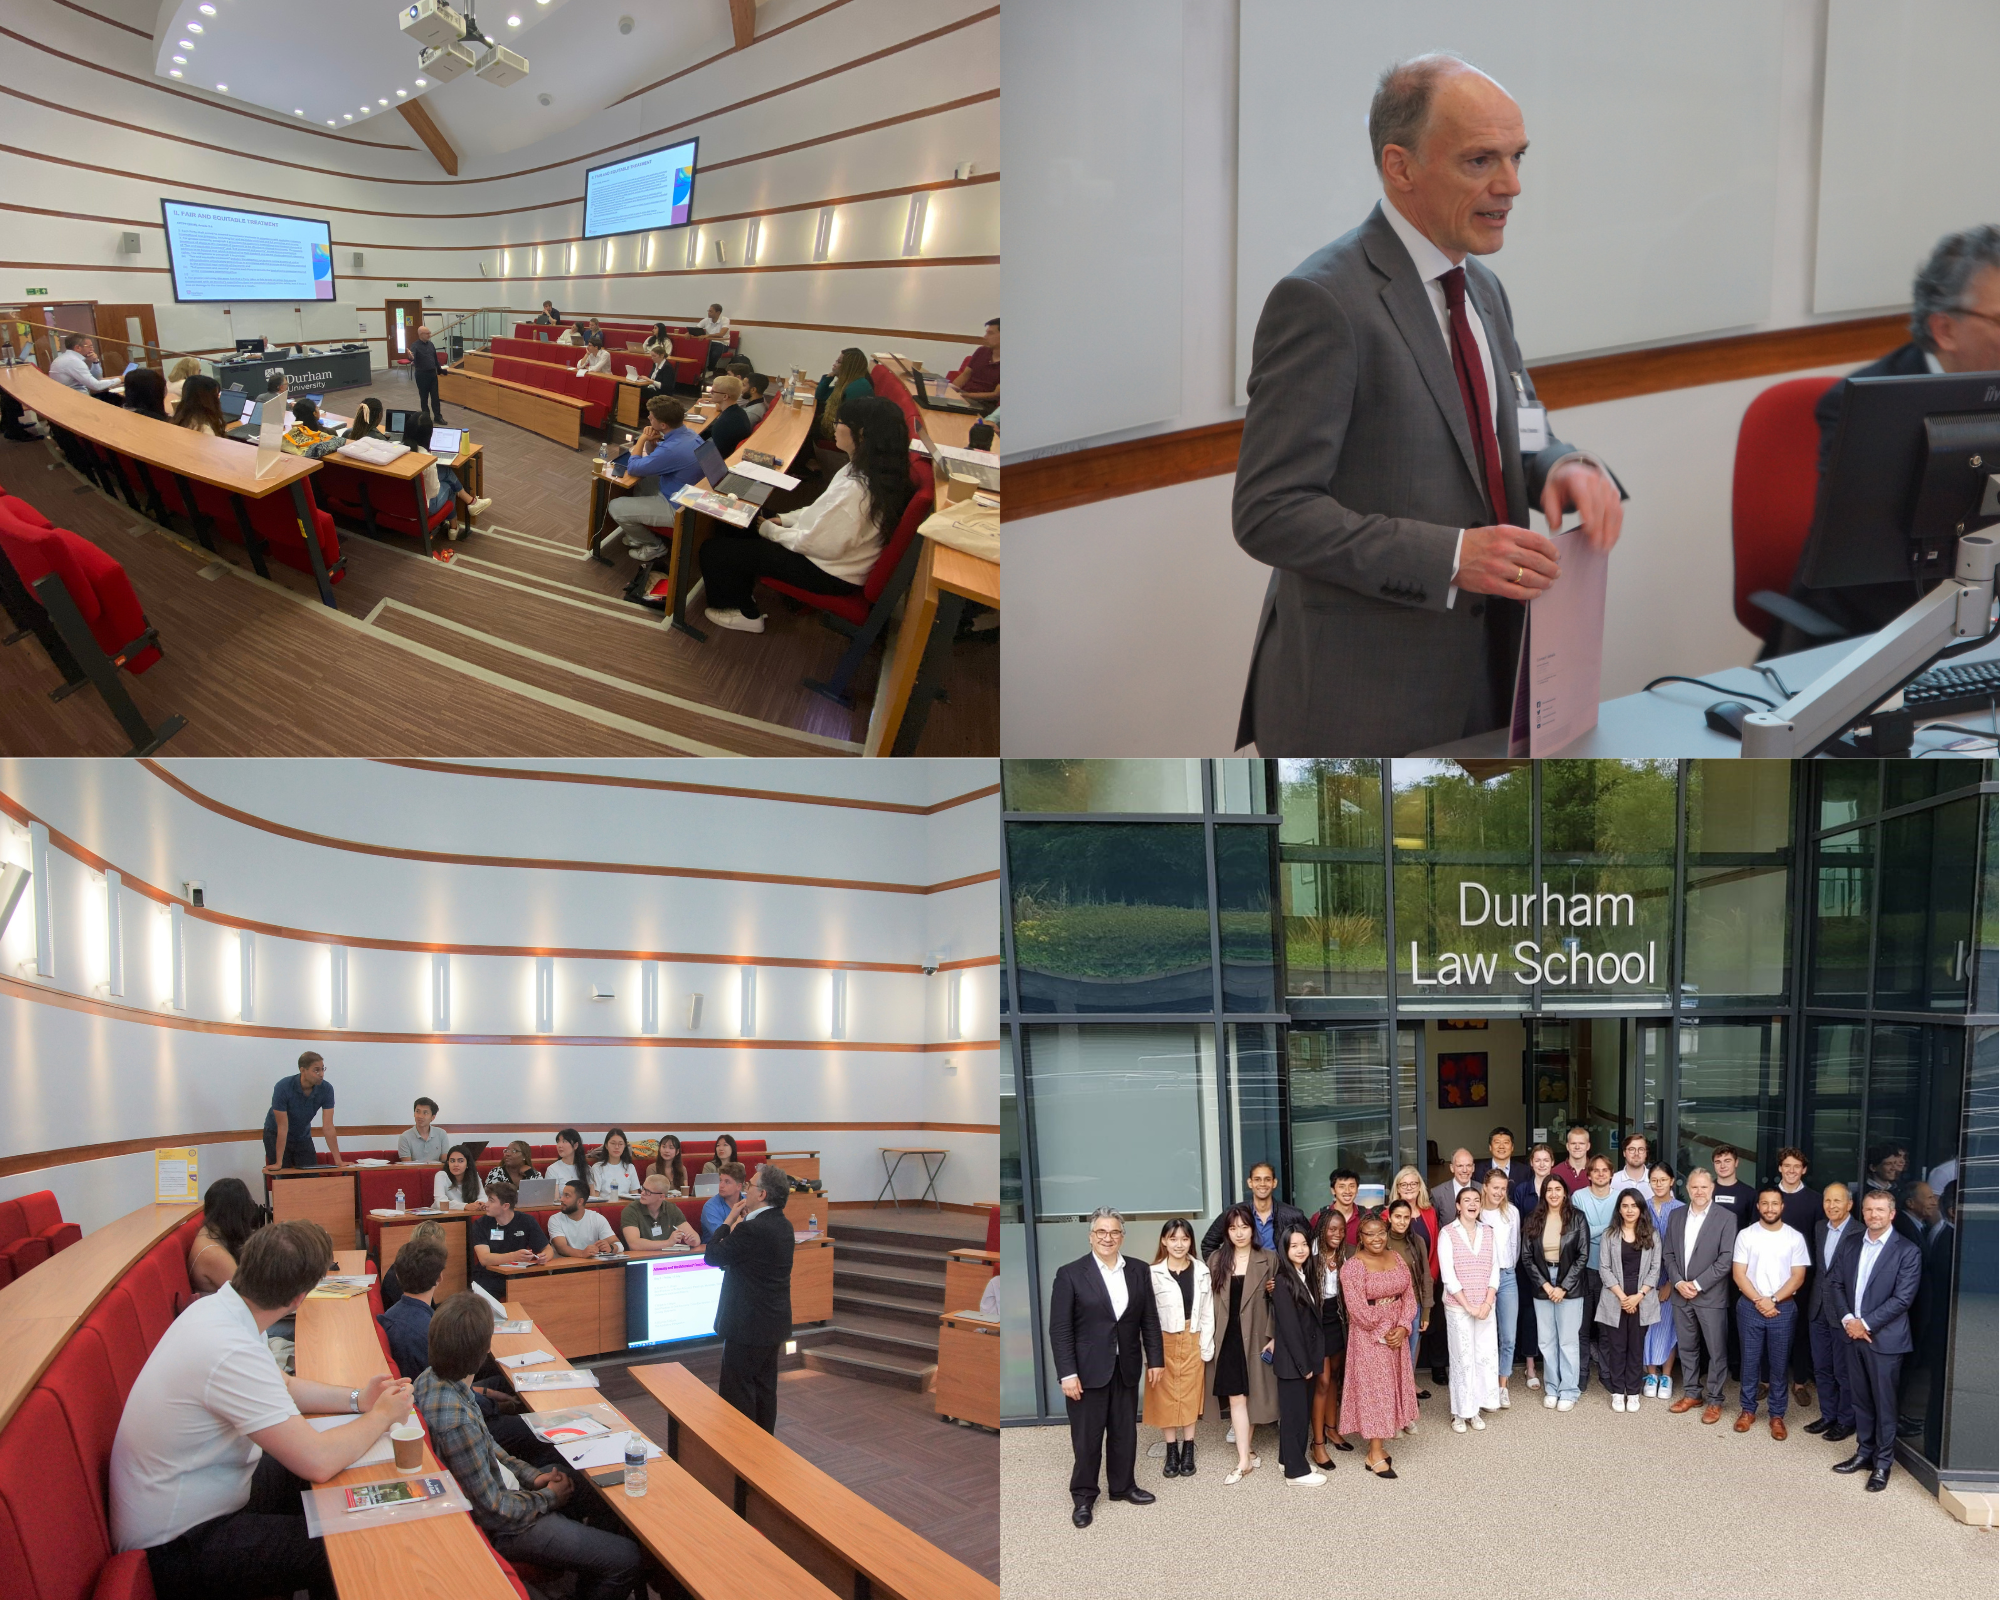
(826, 1527)
(405, 475)
(711, 1553)
(579, 1303)
(315, 1194)
(396, 1234)
(945, 579)
(336, 1344)
(226, 464)
(553, 416)
(39, 1311)
(946, 427)
(968, 1370)
(605, 488)
(812, 1280)
(966, 1275)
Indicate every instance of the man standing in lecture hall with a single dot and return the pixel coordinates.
(1394, 445)
(424, 368)
(754, 1247)
(295, 1100)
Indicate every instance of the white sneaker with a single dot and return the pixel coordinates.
(1632, 1404)
(1229, 1437)
(734, 619)
(1409, 1428)
(480, 506)
(1476, 1422)
(1458, 1424)
(1506, 1404)
(1565, 1405)
(1666, 1388)
(1617, 1402)
(1312, 1480)
(1548, 1402)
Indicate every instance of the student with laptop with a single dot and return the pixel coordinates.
(200, 407)
(441, 482)
(505, 1238)
(829, 546)
(577, 1230)
(732, 423)
(663, 459)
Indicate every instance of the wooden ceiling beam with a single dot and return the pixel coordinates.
(743, 18)
(417, 117)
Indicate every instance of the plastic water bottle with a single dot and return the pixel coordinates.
(812, 1225)
(399, 1199)
(635, 1466)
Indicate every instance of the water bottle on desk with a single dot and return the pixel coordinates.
(635, 1466)
(812, 1225)
(399, 1200)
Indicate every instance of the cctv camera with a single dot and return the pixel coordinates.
(197, 892)
(930, 969)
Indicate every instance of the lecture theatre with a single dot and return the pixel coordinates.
(400, 379)
(364, 1114)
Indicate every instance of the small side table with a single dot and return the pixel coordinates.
(930, 1174)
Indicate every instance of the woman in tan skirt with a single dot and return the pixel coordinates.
(1241, 1378)
(1187, 1336)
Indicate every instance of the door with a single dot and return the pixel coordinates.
(127, 333)
(404, 317)
(1606, 1073)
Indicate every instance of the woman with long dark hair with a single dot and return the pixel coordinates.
(1408, 1240)
(847, 381)
(669, 1165)
(200, 408)
(1330, 1246)
(1184, 1298)
(1629, 1301)
(229, 1215)
(611, 1169)
(367, 423)
(718, 1160)
(829, 546)
(146, 393)
(1240, 1378)
(569, 1162)
(1555, 1250)
(457, 1181)
(1662, 1344)
(441, 481)
(1298, 1351)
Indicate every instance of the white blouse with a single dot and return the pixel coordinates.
(599, 360)
(562, 1172)
(1167, 1298)
(837, 532)
(607, 1179)
(443, 1190)
(1505, 1221)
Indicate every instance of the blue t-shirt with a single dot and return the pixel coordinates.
(408, 1325)
(712, 1214)
(1598, 1214)
(290, 1097)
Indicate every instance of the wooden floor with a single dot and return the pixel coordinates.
(888, 1445)
(521, 646)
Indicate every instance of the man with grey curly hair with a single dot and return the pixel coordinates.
(1103, 1322)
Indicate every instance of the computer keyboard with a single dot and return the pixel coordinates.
(1953, 689)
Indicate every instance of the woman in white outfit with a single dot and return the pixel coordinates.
(1182, 1290)
(1469, 1267)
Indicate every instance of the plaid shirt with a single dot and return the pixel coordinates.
(459, 1436)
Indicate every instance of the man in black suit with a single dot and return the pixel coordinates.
(753, 1246)
(424, 365)
(1837, 1227)
(1873, 1285)
(1954, 327)
(1103, 1324)
(1500, 1153)
(1269, 1217)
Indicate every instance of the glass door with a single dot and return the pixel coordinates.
(1606, 1073)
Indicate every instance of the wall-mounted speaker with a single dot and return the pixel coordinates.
(128, 244)
(354, 261)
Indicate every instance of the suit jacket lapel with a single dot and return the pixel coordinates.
(1409, 303)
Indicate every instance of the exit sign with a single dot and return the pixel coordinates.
(38, 291)
(399, 286)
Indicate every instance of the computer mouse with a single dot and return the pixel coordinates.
(1726, 716)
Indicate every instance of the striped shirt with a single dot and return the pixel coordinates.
(1468, 1268)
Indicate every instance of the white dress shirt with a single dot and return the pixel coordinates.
(1693, 1232)
(1871, 1252)
(70, 368)
(1833, 1237)
(1114, 1283)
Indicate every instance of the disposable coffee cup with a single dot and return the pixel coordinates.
(408, 1439)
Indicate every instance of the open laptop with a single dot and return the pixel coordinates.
(924, 398)
(445, 442)
(540, 1192)
(723, 481)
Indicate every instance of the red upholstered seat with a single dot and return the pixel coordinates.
(53, 1539)
(125, 1577)
(993, 1228)
(855, 607)
(394, 503)
(116, 1320)
(45, 1220)
(18, 1247)
(599, 393)
(1771, 503)
(94, 581)
(82, 1381)
(892, 388)
(21, 511)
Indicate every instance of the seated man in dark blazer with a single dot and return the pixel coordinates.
(1103, 1322)
(1872, 1285)
(1954, 327)
(754, 1247)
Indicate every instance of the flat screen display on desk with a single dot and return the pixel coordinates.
(216, 253)
(655, 190)
(670, 1298)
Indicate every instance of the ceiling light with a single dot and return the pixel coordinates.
(222, 88)
(513, 22)
(180, 61)
(422, 82)
(329, 122)
(297, 112)
(347, 116)
(381, 102)
(400, 93)
(175, 73)
(206, 11)
(187, 44)
(194, 27)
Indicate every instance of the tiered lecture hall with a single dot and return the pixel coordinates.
(248, 1006)
(517, 234)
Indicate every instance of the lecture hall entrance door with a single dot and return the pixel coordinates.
(1608, 1073)
(404, 317)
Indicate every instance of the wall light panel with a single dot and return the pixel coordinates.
(177, 988)
(246, 993)
(114, 937)
(837, 1004)
(649, 997)
(38, 864)
(440, 991)
(545, 994)
(336, 986)
(954, 996)
(747, 1021)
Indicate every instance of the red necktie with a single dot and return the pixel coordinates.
(1472, 390)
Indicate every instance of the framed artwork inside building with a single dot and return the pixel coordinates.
(1461, 1080)
(1460, 1024)
(1552, 1077)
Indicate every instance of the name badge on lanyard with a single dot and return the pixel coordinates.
(1532, 422)
(498, 1236)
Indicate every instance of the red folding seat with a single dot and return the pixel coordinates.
(150, 1303)
(600, 395)
(892, 388)
(96, 584)
(276, 519)
(125, 1577)
(53, 1541)
(82, 1381)
(116, 1320)
(18, 1247)
(45, 1220)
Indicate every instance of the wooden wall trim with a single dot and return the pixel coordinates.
(672, 77)
(109, 22)
(899, 263)
(70, 1155)
(676, 786)
(1132, 466)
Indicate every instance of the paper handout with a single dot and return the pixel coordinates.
(1556, 684)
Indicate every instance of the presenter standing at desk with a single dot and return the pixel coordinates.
(295, 1100)
(754, 1249)
(1394, 445)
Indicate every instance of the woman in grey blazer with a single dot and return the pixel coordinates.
(1628, 1300)
(1240, 1378)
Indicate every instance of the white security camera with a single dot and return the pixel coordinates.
(197, 892)
(930, 969)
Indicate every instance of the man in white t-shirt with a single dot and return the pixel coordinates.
(212, 1454)
(577, 1230)
(1769, 1267)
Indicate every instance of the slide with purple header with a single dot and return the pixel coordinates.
(655, 190)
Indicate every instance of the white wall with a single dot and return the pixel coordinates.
(110, 1068)
(450, 240)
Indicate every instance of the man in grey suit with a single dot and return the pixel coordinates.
(1444, 1196)
(1700, 1246)
(1394, 444)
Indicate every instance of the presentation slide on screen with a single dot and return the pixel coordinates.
(219, 254)
(649, 191)
(671, 1299)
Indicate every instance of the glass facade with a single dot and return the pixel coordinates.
(1350, 963)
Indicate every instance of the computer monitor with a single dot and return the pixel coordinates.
(249, 346)
(1901, 486)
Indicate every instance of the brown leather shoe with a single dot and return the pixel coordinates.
(1711, 1414)
(1778, 1428)
(1687, 1402)
(1744, 1419)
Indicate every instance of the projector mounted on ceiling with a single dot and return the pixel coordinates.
(449, 45)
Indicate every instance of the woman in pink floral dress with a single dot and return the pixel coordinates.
(1380, 1397)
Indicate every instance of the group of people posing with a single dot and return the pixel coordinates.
(1316, 1324)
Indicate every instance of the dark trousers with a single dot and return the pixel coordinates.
(308, 1157)
(427, 395)
(1105, 1422)
(1872, 1377)
(262, 1549)
(608, 1565)
(734, 559)
(1294, 1424)
(1767, 1352)
(1587, 1338)
(1829, 1360)
(1804, 1368)
(1622, 1350)
(749, 1381)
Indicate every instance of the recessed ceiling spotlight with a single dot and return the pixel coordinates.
(222, 88)
(545, 99)
(329, 122)
(297, 112)
(187, 44)
(381, 102)
(194, 27)
(513, 22)
(422, 82)
(347, 116)
(175, 73)
(180, 61)
(206, 11)
(402, 94)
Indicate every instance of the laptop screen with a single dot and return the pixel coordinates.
(396, 424)
(713, 467)
(444, 441)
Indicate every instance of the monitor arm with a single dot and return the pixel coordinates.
(1957, 609)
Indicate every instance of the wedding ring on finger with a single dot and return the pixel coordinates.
(1517, 576)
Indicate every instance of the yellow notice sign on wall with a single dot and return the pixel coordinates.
(174, 1179)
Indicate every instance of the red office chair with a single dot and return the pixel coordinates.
(1777, 480)
(892, 388)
